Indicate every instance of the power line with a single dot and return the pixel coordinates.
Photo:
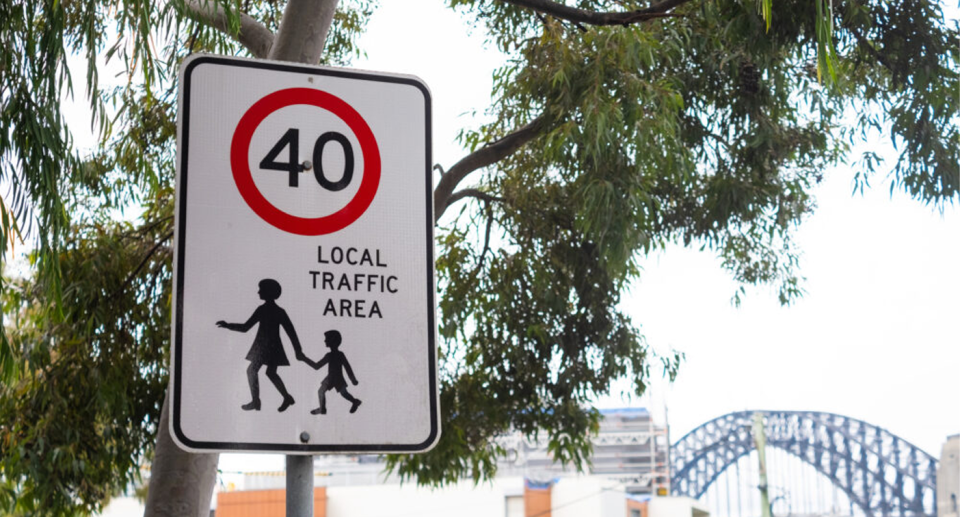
(584, 498)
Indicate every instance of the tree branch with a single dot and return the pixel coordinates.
(303, 31)
(253, 35)
(865, 43)
(471, 192)
(486, 155)
(486, 243)
(578, 15)
(143, 262)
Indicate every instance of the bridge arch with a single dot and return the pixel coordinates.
(880, 472)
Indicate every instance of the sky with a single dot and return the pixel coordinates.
(874, 337)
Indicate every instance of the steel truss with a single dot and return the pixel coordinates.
(883, 474)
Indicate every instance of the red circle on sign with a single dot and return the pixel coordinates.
(242, 176)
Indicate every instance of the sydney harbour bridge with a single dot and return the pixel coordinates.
(812, 463)
(759, 464)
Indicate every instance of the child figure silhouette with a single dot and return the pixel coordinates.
(267, 349)
(334, 379)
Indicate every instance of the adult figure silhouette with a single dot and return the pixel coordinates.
(267, 349)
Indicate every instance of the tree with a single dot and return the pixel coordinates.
(619, 128)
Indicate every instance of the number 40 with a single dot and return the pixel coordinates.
(291, 139)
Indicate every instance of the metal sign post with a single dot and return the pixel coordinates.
(299, 486)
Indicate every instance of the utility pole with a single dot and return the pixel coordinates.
(760, 441)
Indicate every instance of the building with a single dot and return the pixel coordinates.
(629, 467)
(574, 496)
(630, 448)
(948, 478)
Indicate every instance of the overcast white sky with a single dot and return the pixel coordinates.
(874, 338)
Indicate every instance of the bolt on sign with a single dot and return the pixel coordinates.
(304, 284)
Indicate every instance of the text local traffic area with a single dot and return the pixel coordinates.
(369, 282)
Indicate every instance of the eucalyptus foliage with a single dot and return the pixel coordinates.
(618, 128)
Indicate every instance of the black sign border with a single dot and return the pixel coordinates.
(185, 91)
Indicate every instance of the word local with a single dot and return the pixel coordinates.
(351, 256)
(353, 282)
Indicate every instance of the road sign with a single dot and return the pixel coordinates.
(304, 283)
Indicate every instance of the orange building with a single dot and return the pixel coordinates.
(264, 503)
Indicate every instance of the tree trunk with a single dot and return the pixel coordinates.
(181, 483)
(303, 31)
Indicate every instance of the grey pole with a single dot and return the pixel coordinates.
(299, 486)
